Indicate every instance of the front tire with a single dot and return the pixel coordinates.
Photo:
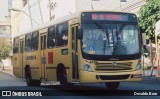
(28, 76)
(112, 85)
(62, 77)
(29, 81)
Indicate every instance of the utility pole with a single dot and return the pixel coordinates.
(30, 14)
(40, 11)
(49, 10)
(52, 6)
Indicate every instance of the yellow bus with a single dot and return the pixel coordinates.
(85, 47)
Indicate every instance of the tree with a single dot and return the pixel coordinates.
(149, 14)
(5, 49)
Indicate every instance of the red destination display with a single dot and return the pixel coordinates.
(112, 17)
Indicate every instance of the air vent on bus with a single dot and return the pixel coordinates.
(114, 66)
(114, 77)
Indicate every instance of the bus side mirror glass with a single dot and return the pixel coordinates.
(79, 34)
(145, 50)
(143, 38)
(143, 35)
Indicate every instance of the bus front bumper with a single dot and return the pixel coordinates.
(101, 77)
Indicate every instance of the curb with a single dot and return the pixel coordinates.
(158, 79)
(151, 78)
(6, 72)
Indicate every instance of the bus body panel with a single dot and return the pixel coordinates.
(16, 65)
(93, 77)
(32, 59)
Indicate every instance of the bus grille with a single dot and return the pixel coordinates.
(115, 77)
(112, 66)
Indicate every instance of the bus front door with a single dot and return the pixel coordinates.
(22, 57)
(75, 74)
(43, 54)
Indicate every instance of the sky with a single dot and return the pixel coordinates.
(3, 8)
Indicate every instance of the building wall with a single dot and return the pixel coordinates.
(9, 7)
(16, 17)
(3, 8)
(7, 62)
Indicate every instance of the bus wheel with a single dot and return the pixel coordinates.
(29, 81)
(62, 77)
(28, 76)
(112, 85)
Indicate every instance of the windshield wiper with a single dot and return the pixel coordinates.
(121, 28)
(106, 32)
(117, 43)
(100, 27)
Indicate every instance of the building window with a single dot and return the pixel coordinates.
(16, 45)
(51, 37)
(62, 34)
(34, 41)
(28, 42)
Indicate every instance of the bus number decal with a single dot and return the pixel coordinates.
(92, 62)
(50, 57)
(30, 57)
(89, 61)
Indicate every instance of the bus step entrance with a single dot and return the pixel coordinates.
(75, 81)
(46, 83)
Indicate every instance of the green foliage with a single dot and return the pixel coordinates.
(149, 14)
(5, 48)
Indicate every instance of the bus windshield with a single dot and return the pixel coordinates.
(101, 38)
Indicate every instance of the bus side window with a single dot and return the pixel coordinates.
(28, 42)
(51, 37)
(34, 41)
(16, 45)
(62, 34)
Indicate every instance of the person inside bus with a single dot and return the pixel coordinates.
(119, 48)
(95, 42)
(51, 43)
(65, 39)
(88, 42)
(100, 42)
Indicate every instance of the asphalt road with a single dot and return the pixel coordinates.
(10, 80)
(92, 91)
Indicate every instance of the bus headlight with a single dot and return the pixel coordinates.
(138, 66)
(87, 67)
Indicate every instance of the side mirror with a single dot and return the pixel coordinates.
(143, 35)
(143, 38)
(79, 34)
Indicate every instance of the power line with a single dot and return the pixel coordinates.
(124, 4)
(132, 6)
